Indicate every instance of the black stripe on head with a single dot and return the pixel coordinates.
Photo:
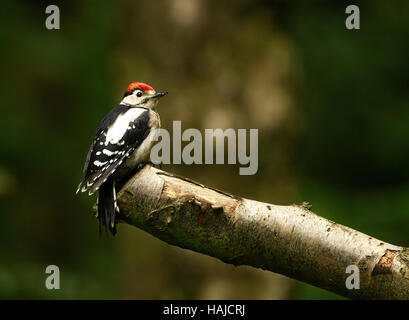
(128, 93)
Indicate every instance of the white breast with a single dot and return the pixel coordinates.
(143, 152)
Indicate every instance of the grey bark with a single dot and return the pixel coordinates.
(290, 240)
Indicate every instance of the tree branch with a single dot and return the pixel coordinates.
(290, 240)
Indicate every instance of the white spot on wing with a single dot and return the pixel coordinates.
(118, 129)
(99, 163)
(108, 152)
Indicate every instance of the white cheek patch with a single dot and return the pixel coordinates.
(130, 100)
(118, 129)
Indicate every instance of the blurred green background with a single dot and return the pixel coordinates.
(331, 106)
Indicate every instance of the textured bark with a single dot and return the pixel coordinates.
(290, 240)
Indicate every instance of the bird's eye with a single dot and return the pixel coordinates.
(139, 94)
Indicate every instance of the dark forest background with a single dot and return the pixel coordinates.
(331, 106)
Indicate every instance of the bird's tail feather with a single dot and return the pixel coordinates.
(106, 207)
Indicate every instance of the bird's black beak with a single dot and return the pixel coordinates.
(158, 95)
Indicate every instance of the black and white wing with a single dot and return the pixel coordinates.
(120, 133)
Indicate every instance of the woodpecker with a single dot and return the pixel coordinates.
(122, 143)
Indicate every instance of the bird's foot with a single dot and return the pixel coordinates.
(145, 163)
(141, 165)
